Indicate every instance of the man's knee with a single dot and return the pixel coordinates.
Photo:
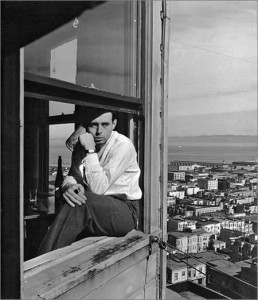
(68, 210)
(94, 199)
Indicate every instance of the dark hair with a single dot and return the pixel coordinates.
(114, 115)
(85, 114)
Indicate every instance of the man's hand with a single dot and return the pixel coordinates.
(74, 194)
(87, 141)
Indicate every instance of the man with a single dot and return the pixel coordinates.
(101, 189)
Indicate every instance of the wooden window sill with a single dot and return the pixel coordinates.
(54, 273)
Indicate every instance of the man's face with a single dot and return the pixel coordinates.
(101, 128)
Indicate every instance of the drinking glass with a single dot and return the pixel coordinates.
(33, 198)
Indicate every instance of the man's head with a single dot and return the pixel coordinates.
(99, 122)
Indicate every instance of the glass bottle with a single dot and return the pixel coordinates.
(58, 186)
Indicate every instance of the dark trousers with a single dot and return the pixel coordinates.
(100, 216)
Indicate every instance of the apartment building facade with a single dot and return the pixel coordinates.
(200, 210)
(180, 224)
(176, 176)
(189, 242)
(208, 183)
(241, 225)
(211, 226)
(186, 269)
(180, 194)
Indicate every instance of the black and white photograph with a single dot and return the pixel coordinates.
(129, 158)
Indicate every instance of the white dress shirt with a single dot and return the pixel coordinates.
(113, 170)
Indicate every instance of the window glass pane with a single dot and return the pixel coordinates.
(58, 134)
(58, 108)
(98, 50)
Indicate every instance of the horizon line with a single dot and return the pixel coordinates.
(212, 135)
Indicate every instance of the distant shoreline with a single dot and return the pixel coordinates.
(210, 148)
(219, 138)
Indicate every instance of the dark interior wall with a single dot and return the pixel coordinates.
(10, 179)
(22, 22)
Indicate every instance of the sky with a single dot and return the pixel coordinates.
(213, 68)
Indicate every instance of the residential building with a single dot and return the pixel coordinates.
(208, 183)
(219, 245)
(186, 166)
(178, 194)
(171, 201)
(202, 241)
(179, 224)
(192, 190)
(252, 209)
(188, 213)
(231, 223)
(243, 200)
(206, 201)
(199, 210)
(180, 269)
(211, 226)
(176, 176)
(189, 242)
(248, 229)
(176, 271)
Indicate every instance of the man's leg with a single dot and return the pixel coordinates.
(100, 215)
(110, 215)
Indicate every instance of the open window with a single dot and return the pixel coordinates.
(77, 65)
(115, 52)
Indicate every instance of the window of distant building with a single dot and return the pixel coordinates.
(169, 275)
(176, 276)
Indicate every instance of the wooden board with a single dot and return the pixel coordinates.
(120, 281)
(64, 271)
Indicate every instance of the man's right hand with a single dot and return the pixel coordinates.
(74, 194)
(87, 141)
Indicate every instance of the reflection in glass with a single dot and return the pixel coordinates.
(99, 52)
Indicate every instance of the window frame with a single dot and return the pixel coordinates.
(43, 88)
(51, 89)
(147, 111)
(154, 116)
